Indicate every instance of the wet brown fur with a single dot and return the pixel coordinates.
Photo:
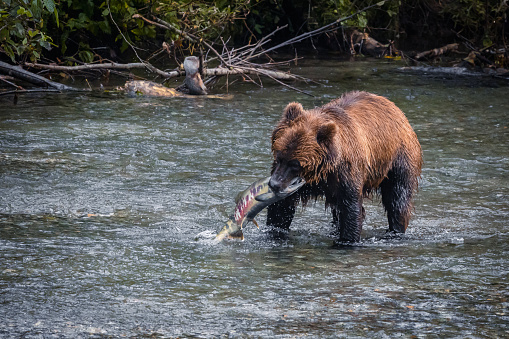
(358, 138)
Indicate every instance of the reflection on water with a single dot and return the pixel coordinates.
(103, 199)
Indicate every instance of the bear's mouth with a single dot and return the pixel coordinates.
(294, 185)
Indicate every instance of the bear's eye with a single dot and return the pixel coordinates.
(294, 164)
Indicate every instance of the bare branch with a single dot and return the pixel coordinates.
(173, 74)
(317, 31)
(249, 70)
(161, 23)
(4, 79)
(437, 51)
(111, 65)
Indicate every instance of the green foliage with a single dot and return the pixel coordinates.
(207, 19)
(22, 34)
(99, 18)
(330, 10)
(482, 20)
(307, 15)
(29, 28)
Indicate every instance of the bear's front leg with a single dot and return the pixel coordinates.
(336, 217)
(350, 213)
(280, 214)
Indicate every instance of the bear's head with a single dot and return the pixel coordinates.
(302, 146)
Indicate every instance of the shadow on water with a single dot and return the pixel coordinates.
(108, 205)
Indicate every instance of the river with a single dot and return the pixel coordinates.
(108, 204)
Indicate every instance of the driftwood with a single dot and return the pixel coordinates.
(112, 65)
(249, 70)
(455, 71)
(432, 53)
(235, 70)
(19, 73)
(193, 82)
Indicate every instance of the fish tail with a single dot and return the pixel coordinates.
(237, 235)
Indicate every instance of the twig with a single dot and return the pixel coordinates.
(260, 43)
(10, 83)
(161, 23)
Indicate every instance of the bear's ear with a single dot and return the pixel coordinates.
(326, 133)
(292, 111)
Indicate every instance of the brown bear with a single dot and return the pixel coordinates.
(345, 150)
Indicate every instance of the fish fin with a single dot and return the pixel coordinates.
(264, 196)
(254, 222)
(237, 197)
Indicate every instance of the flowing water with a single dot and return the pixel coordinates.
(108, 205)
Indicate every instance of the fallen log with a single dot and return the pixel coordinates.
(234, 70)
(441, 70)
(24, 91)
(35, 79)
(432, 53)
(111, 65)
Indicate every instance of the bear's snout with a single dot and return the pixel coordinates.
(275, 184)
(284, 174)
(284, 185)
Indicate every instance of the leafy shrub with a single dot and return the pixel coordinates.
(22, 30)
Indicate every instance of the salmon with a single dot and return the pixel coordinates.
(252, 201)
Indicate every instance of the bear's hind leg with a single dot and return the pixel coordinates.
(397, 192)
